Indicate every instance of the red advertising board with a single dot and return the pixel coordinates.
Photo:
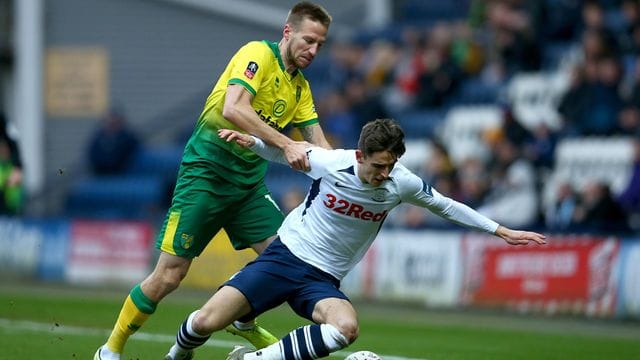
(570, 274)
(109, 251)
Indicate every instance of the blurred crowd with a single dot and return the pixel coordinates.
(412, 67)
(431, 65)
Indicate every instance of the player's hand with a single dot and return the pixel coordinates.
(241, 139)
(296, 155)
(518, 237)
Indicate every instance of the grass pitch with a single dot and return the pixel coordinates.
(54, 322)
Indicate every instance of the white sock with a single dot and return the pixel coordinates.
(332, 338)
(302, 338)
(106, 354)
(244, 325)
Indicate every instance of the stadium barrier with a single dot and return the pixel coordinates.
(592, 276)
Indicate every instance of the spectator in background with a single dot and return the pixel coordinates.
(540, 149)
(437, 165)
(592, 103)
(598, 211)
(339, 123)
(629, 199)
(629, 121)
(513, 197)
(630, 19)
(473, 182)
(441, 75)
(513, 39)
(11, 190)
(512, 128)
(291, 199)
(401, 95)
(364, 103)
(559, 214)
(113, 145)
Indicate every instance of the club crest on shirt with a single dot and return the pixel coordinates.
(379, 195)
(251, 70)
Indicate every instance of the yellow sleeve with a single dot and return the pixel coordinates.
(249, 65)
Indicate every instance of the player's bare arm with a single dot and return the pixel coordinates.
(315, 135)
(518, 237)
(238, 110)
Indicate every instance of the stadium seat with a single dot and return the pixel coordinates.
(132, 196)
(535, 97)
(163, 160)
(421, 123)
(418, 152)
(475, 91)
(463, 128)
(581, 160)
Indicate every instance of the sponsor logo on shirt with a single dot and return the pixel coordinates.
(354, 210)
(279, 107)
(251, 70)
(268, 120)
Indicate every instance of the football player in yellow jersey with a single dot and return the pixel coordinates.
(220, 184)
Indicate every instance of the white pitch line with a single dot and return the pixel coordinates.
(160, 338)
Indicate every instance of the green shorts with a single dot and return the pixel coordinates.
(205, 203)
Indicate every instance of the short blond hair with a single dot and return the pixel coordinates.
(308, 10)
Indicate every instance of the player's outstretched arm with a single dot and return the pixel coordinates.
(519, 237)
(258, 146)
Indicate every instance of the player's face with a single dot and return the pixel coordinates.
(375, 168)
(303, 43)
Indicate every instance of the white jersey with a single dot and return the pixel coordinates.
(341, 216)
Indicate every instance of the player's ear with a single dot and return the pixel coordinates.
(359, 156)
(286, 32)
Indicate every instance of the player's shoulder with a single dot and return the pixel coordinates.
(400, 170)
(403, 177)
(256, 47)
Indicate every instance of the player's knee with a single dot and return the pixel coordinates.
(205, 322)
(201, 323)
(349, 329)
(171, 280)
(164, 282)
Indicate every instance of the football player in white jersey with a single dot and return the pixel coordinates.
(321, 240)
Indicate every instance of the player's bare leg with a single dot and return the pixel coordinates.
(226, 304)
(142, 302)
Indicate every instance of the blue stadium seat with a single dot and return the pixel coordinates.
(125, 197)
(419, 124)
(433, 10)
(157, 161)
(476, 91)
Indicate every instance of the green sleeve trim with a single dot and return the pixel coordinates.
(306, 123)
(141, 300)
(244, 84)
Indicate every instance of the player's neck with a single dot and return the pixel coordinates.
(289, 66)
